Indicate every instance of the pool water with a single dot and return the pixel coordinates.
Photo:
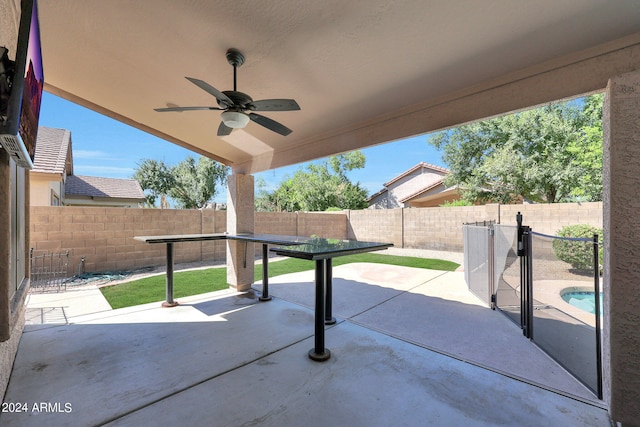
(585, 301)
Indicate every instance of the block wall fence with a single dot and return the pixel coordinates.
(103, 236)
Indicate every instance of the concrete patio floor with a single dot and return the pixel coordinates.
(411, 347)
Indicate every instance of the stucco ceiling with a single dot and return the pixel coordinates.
(363, 71)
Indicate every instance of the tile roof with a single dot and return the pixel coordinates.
(93, 186)
(415, 168)
(422, 190)
(52, 147)
(428, 186)
(374, 195)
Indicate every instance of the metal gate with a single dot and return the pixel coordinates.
(478, 245)
(561, 304)
(518, 272)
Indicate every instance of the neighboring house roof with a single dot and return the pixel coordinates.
(421, 191)
(415, 168)
(374, 195)
(93, 186)
(52, 149)
(423, 183)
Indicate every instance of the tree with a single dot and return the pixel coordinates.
(262, 197)
(156, 179)
(527, 155)
(196, 182)
(586, 150)
(320, 187)
(192, 184)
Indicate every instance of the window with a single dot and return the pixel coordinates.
(17, 261)
(55, 199)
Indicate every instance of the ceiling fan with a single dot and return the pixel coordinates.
(237, 107)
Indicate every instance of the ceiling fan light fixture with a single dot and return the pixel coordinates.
(238, 108)
(235, 119)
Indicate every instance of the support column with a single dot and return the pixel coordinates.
(621, 180)
(240, 213)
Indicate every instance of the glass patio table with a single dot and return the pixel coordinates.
(322, 251)
(264, 239)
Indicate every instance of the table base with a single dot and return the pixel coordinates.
(167, 304)
(319, 357)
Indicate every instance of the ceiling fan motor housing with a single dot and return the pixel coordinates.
(238, 106)
(240, 100)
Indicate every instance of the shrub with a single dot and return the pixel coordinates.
(577, 253)
(454, 203)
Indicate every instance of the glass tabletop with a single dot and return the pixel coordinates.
(272, 239)
(320, 248)
(179, 238)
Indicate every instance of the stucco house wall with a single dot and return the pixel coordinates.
(14, 229)
(52, 163)
(46, 189)
(418, 186)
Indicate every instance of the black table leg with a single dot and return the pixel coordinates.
(265, 273)
(319, 353)
(169, 298)
(328, 279)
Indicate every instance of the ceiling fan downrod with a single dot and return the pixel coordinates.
(235, 58)
(238, 108)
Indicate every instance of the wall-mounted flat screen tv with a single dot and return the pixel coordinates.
(21, 84)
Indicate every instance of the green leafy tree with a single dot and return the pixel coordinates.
(263, 202)
(197, 182)
(156, 179)
(343, 163)
(192, 184)
(454, 203)
(319, 187)
(528, 155)
(586, 150)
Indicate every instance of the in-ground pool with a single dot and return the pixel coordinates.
(584, 300)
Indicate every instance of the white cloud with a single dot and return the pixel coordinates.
(93, 154)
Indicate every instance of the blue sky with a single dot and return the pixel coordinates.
(105, 147)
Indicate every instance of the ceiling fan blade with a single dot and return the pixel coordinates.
(224, 130)
(270, 124)
(221, 97)
(180, 109)
(275, 105)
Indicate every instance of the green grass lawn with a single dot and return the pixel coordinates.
(193, 282)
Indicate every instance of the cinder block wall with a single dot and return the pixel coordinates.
(426, 228)
(283, 223)
(104, 236)
(550, 218)
(212, 222)
(328, 225)
(376, 225)
(440, 228)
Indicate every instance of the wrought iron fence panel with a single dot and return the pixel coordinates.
(48, 270)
